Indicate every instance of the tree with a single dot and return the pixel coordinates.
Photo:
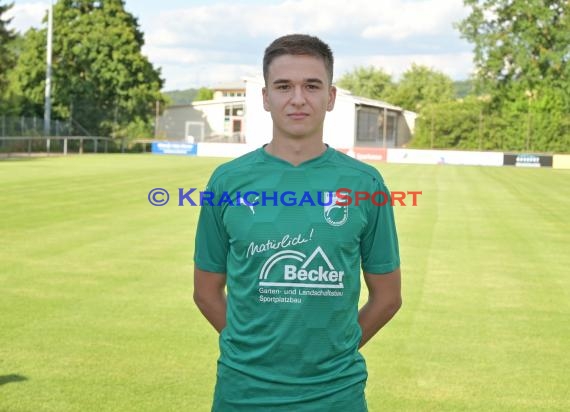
(100, 77)
(7, 58)
(463, 124)
(204, 94)
(421, 85)
(519, 41)
(368, 82)
(181, 96)
(10, 102)
(522, 56)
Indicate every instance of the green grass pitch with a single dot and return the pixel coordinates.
(96, 310)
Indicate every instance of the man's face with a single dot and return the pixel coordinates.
(298, 95)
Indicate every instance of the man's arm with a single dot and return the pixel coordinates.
(210, 296)
(384, 300)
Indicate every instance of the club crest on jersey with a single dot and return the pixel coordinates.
(334, 214)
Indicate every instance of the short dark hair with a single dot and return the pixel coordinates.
(299, 44)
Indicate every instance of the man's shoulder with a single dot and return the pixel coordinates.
(343, 161)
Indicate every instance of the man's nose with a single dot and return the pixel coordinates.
(298, 97)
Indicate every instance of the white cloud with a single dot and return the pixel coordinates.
(455, 65)
(367, 19)
(388, 33)
(173, 55)
(402, 20)
(181, 77)
(27, 15)
(224, 40)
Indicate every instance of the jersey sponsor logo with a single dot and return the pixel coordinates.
(291, 268)
(243, 202)
(335, 215)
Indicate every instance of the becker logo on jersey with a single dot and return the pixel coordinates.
(291, 268)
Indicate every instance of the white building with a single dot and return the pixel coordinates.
(356, 124)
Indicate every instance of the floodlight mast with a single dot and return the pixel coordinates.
(47, 107)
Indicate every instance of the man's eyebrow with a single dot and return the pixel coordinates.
(309, 80)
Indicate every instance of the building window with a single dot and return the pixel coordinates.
(367, 130)
(233, 118)
(391, 129)
(370, 127)
(235, 110)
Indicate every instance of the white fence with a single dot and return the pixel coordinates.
(63, 145)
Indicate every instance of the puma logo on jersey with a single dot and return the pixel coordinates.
(243, 202)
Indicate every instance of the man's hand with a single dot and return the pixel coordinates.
(210, 296)
(384, 300)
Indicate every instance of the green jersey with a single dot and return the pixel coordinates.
(292, 252)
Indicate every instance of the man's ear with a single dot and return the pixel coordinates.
(265, 102)
(332, 98)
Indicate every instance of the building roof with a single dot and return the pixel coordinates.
(375, 103)
(220, 100)
(365, 101)
(240, 85)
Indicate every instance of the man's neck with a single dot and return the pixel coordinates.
(296, 151)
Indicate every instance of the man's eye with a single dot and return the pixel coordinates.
(312, 87)
(283, 87)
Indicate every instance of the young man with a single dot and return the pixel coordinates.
(290, 252)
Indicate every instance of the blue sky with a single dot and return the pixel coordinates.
(202, 43)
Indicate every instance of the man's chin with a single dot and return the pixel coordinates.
(299, 133)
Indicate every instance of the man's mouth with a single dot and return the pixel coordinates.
(297, 115)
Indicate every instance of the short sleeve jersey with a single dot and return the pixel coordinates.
(292, 249)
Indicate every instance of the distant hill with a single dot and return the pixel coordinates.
(179, 97)
(463, 88)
